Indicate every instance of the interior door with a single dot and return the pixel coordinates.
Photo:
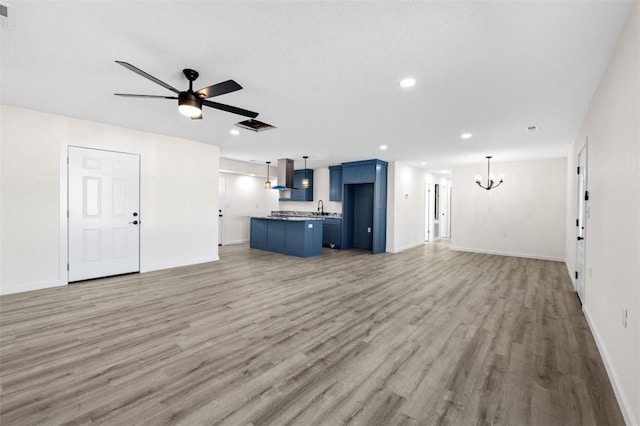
(104, 213)
(581, 223)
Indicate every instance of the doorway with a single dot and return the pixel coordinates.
(357, 216)
(103, 213)
(427, 212)
(581, 222)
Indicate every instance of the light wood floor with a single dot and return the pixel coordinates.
(427, 336)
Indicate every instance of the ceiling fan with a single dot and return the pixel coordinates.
(189, 101)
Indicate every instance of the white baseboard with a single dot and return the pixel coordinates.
(623, 402)
(232, 242)
(20, 288)
(407, 247)
(508, 253)
(178, 263)
(572, 276)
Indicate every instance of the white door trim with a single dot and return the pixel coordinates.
(427, 215)
(64, 200)
(579, 199)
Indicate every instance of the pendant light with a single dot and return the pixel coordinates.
(267, 184)
(305, 181)
(490, 183)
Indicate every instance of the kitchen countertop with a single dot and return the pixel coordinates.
(291, 218)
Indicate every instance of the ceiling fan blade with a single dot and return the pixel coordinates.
(229, 108)
(128, 95)
(219, 89)
(147, 76)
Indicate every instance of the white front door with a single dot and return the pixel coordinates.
(104, 213)
(581, 222)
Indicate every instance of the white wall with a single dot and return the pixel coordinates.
(405, 207)
(179, 184)
(612, 279)
(523, 217)
(244, 196)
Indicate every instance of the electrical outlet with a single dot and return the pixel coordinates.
(369, 230)
(625, 313)
(504, 235)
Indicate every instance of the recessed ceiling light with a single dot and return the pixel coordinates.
(423, 163)
(466, 136)
(407, 82)
(252, 175)
(234, 132)
(383, 147)
(445, 171)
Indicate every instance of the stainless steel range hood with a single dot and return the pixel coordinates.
(284, 175)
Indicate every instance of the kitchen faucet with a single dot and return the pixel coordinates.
(321, 207)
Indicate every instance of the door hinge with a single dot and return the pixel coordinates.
(586, 195)
(577, 222)
(578, 171)
(67, 266)
(576, 275)
(67, 214)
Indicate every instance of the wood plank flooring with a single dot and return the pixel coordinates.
(427, 336)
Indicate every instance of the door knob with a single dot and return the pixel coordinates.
(135, 222)
(580, 238)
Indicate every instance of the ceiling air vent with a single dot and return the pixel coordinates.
(6, 16)
(255, 125)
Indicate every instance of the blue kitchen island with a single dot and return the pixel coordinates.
(294, 236)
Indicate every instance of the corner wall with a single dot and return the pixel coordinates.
(612, 278)
(179, 185)
(524, 217)
(243, 196)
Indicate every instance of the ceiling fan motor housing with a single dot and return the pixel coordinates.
(189, 98)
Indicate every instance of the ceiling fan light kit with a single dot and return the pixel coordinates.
(189, 105)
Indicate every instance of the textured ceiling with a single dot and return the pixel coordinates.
(325, 73)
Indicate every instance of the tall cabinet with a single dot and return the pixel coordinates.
(364, 205)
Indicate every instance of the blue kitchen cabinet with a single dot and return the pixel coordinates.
(298, 193)
(335, 183)
(302, 238)
(359, 172)
(332, 232)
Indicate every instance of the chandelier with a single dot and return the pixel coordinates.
(490, 182)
